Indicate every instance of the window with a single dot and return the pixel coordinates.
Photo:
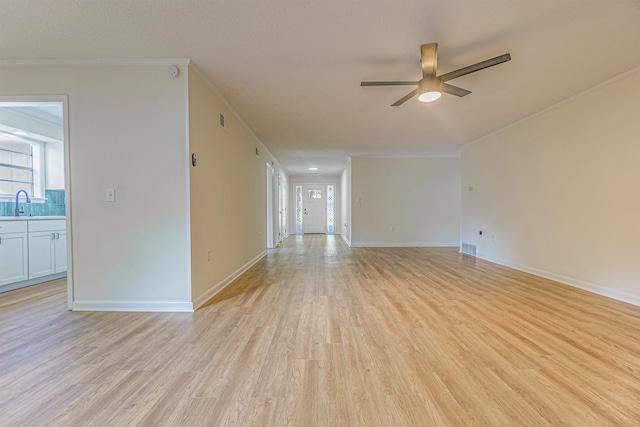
(20, 167)
(315, 194)
(331, 200)
(31, 147)
(298, 209)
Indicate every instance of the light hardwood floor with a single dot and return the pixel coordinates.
(317, 334)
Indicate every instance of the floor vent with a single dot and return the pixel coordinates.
(469, 249)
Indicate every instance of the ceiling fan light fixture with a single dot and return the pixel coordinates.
(429, 90)
(431, 87)
(430, 96)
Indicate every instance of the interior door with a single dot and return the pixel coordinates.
(314, 209)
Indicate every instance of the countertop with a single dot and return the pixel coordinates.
(29, 218)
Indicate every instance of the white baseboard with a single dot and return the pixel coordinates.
(133, 306)
(404, 245)
(576, 283)
(345, 239)
(198, 302)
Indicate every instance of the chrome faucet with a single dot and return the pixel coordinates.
(18, 211)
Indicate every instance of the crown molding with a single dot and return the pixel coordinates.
(197, 71)
(556, 106)
(91, 62)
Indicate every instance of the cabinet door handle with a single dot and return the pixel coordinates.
(58, 236)
(53, 236)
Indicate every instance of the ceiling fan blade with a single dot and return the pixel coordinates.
(429, 59)
(405, 98)
(475, 67)
(454, 90)
(388, 83)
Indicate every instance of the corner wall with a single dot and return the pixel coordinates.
(560, 193)
(405, 202)
(228, 192)
(127, 130)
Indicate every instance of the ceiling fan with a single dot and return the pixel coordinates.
(431, 86)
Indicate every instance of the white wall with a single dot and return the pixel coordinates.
(228, 192)
(560, 192)
(345, 203)
(54, 165)
(419, 197)
(128, 132)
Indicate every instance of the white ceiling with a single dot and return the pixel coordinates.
(292, 69)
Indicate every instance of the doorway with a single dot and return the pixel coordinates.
(315, 208)
(269, 184)
(35, 183)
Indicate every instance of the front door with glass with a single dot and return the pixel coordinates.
(314, 209)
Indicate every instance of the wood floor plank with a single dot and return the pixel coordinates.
(319, 334)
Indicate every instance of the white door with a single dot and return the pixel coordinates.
(314, 209)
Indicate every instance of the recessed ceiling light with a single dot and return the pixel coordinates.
(19, 133)
(313, 169)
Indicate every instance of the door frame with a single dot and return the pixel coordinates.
(269, 198)
(64, 100)
(282, 209)
(292, 202)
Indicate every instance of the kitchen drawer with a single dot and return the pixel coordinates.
(47, 225)
(13, 226)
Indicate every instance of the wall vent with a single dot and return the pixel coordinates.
(222, 121)
(469, 249)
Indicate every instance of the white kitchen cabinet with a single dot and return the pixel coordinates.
(47, 248)
(61, 252)
(13, 252)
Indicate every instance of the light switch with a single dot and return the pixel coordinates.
(111, 194)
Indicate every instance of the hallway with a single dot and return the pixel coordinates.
(319, 334)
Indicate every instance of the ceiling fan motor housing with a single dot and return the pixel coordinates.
(429, 84)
